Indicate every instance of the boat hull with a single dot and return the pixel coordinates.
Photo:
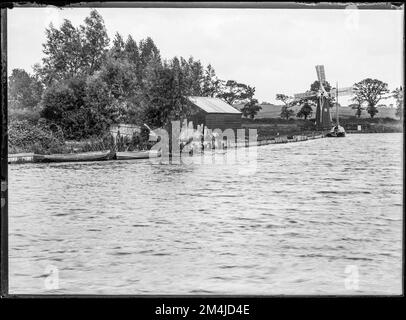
(336, 135)
(74, 157)
(129, 155)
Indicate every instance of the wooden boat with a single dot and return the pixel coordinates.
(20, 158)
(128, 155)
(336, 132)
(75, 157)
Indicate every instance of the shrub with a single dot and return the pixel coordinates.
(24, 136)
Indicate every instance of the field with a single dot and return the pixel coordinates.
(273, 127)
(273, 111)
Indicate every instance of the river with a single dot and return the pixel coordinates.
(314, 217)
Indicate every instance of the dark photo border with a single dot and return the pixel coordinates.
(258, 303)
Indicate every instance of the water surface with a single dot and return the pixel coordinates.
(305, 218)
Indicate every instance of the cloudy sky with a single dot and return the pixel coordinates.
(275, 50)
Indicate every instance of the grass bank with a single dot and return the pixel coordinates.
(274, 127)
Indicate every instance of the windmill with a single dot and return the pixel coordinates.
(323, 117)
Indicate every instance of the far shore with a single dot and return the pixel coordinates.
(267, 129)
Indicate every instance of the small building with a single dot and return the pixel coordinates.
(214, 113)
(125, 129)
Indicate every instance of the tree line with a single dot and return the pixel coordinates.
(86, 82)
(368, 91)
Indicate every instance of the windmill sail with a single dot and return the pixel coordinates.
(304, 95)
(321, 75)
(347, 91)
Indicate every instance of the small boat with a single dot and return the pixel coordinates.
(128, 155)
(75, 157)
(20, 157)
(336, 131)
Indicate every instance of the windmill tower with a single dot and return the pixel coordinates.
(323, 116)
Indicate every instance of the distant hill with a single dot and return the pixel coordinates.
(273, 111)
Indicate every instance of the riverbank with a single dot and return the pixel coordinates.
(268, 130)
(276, 127)
(32, 157)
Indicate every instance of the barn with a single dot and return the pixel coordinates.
(214, 113)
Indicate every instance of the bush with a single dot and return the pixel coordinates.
(105, 142)
(31, 115)
(24, 136)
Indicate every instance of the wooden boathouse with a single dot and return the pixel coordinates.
(214, 113)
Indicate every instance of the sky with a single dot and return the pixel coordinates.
(274, 50)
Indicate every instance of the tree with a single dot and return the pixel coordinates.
(63, 53)
(283, 98)
(305, 111)
(71, 52)
(95, 41)
(286, 111)
(357, 106)
(24, 90)
(162, 96)
(233, 91)
(358, 109)
(147, 51)
(63, 105)
(196, 77)
(251, 108)
(211, 84)
(398, 95)
(117, 51)
(131, 50)
(370, 91)
(115, 92)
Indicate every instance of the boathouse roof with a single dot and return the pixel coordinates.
(212, 105)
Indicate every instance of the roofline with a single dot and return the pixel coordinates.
(223, 112)
(236, 110)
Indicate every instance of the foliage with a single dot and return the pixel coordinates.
(163, 99)
(251, 108)
(370, 91)
(148, 52)
(398, 95)
(211, 84)
(24, 90)
(234, 92)
(305, 111)
(71, 51)
(43, 137)
(358, 109)
(284, 98)
(286, 112)
(63, 104)
(30, 115)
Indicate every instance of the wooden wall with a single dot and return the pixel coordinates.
(223, 121)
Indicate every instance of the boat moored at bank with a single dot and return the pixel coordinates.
(75, 157)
